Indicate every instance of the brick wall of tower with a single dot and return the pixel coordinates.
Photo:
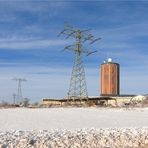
(110, 77)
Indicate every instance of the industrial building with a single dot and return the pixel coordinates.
(109, 90)
(93, 100)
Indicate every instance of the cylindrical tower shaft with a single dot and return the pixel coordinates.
(110, 83)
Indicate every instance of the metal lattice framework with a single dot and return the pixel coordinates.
(19, 91)
(78, 87)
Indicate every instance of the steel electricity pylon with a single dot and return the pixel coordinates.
(19, 90)
(78, 87)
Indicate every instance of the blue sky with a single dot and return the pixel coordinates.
(30, 48)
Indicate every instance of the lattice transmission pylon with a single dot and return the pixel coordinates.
(78, 87)
(19, 90)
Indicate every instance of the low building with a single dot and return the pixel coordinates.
(50, 101)
(110, 100)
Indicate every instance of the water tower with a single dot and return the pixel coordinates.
(110, 78)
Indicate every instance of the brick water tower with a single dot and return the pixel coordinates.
(110, 78)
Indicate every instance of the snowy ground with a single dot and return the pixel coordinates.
(84, 138)
(74, 128)
(71, 118)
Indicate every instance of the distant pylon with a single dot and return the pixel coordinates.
(14, 99)
(19, 91)
(78, 87)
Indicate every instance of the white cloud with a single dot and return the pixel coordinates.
(32, 44)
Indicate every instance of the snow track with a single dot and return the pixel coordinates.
(71, 118)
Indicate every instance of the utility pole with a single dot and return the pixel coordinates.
(78, 87)
(19, 91)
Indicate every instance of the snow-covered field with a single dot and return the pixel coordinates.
(71, 118)
(74, 128)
